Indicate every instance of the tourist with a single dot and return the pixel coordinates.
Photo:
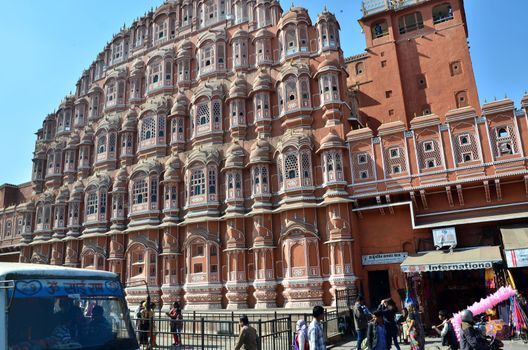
(472, 339)
(301, 336)
(146, 323)
(414, 327)
(361, 319)
(377, 334)
(176, 323)
(403, 326)
(315, 331)
(247, 340)
(446, 331)
(389, 310)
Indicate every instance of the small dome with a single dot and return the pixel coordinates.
(331, 140)
(294, 15)
(73, 141)
(130, 121)
(238, 88)
(240, 33)
(326, 16)
(172, 166)
(262, 81)
(263, 33)
(260, 152)
(327, 63)
(77, 190)
(121, 178)
(234, 156)
(180, 105)
(87, 138)
(64, 194)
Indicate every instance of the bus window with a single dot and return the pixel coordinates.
(72, 314)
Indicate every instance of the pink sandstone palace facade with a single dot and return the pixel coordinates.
(227, 154)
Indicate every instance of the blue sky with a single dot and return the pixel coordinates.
(47, 44)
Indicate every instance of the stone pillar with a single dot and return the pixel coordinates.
(236, 280)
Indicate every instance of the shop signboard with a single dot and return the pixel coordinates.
(439, 267)
(388, 258)
(516, 257)
(444, 237)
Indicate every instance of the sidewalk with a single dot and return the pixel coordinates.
(433, 344)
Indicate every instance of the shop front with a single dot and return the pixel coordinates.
(515, 242)
(450, 279)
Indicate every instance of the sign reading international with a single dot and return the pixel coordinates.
(444, 237)
(388, 258)
(448, 267)
(516, 257)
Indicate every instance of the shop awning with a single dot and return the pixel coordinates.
(515, 240)
(514, 237)
(460, 259)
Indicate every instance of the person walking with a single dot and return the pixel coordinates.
(446, 331)
(176, 323)
(414, 327)
(247, 340)
(471, 338)
(301, 336)
(389, 310)
(362, 316)
(377, 334)
(315, 331)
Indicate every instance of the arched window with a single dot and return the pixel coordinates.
(91, 203)
(262, 105)
(442, 13)
(290, 41)
(502, 132)
(233, 185)
(202, 115)
(410, 22)
(101, 145)
(197, 182)
(329, 90)
(111, 93)
(140, 191)
(333, 166)
(148, 129)
(291, 167)
(260, 180)
(207, 57)
(291, 93)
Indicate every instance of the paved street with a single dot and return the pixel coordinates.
(435, 343)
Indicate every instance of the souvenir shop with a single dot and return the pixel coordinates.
(477, 279)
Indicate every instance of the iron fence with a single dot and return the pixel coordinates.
(211, 332)
(220, 330)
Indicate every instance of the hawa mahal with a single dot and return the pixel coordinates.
(227, 154)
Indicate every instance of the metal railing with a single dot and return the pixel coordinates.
(211, 331)
(370, 7)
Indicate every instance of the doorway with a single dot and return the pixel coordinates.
(379, 288)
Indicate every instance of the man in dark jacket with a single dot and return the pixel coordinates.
(472, 339)
(248, 336)
(377, 334)
(362, 316)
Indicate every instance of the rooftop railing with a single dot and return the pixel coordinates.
(370, 7)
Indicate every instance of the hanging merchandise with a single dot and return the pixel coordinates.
(519, 317)
(480, 307)
(408, 299)
(489, 277)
